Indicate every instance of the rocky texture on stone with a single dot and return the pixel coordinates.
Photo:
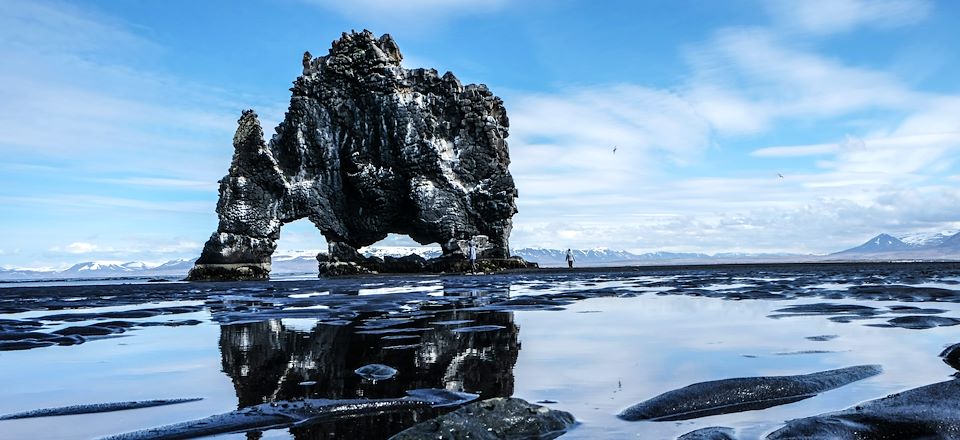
(928, 412)
(951, 356)
(493, 419)
(366, 148)
(711, 433)
(743, 394)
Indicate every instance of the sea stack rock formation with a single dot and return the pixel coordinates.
(367, 148)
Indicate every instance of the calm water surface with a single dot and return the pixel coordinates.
(599, 343)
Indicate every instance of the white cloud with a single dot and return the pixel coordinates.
(48, 27)
(80, 247)
(130, 248)
(180, 247)
(796, 150)
(746, 79)
(562, 144)
(833, 16)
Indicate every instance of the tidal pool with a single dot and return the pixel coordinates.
(591, 343)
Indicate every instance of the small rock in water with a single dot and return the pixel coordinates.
(493, 419)
(791, 353)
(23, 345)
(951, 356)
(915, 310)
(376, 372)
(928, 412)
(922, 322)
(711, 433)
(89, 330)
(95, 408)
(546, 401)
(742, 394)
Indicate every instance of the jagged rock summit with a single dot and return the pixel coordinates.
(366, 148)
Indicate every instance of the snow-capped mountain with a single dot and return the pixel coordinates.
(177, 266)
(917, 246)
(879, 244)
(427, 252)
(100, 269)
(951, 243)
(288, 264)
(927, 239)
(103, 269)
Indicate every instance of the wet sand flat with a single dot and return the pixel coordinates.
(595, 341)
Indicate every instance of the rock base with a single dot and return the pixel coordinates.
(417, 264)
(229, 272)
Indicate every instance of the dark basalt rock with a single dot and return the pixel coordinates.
(417, 264)
(921, 322)
(742, 394)
(494, 419)
(89, 330)
(928, 412)
(366, 148)
(300, 413)
(951, 356)
(711, 433)
(95, 408)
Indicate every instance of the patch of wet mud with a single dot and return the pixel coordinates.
(76, 334)
(821, 338)
(919, 322)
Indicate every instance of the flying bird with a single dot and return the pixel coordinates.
(780, 175)
(614, 149)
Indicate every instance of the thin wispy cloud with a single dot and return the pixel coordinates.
(833, 16)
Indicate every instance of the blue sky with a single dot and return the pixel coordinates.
(117, 117)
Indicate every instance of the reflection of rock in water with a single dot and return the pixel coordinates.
(268, 361)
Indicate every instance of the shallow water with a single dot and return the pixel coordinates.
(594, 342)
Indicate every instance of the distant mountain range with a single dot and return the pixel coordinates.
(305, 262)
(95, 269)
(883, 247)
(916, 246)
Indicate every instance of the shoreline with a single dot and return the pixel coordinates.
(307, 277)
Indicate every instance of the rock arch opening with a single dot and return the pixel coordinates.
(297, 248)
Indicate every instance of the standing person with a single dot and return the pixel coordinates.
(570, 259)
(473, 256)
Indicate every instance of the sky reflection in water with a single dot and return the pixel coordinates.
(595, 357)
